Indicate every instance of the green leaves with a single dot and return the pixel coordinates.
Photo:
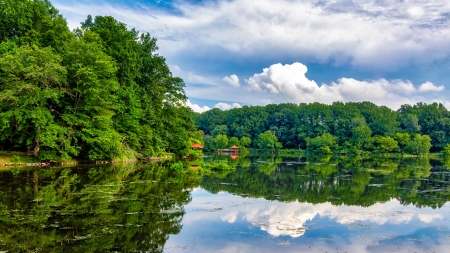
(30, 86)
(100, 93)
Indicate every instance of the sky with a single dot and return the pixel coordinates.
(232, 53)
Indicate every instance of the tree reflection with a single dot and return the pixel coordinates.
(350, 180)
(113, 208)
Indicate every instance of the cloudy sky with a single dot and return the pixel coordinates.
(239, 52)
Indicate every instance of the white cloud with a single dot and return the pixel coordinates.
(374, 34)
(225, 106)
(233, 80)
(428, 86)
(196, 107)
(289, 82)
(290, 219)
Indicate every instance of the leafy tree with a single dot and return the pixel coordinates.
(384, 144)
(220, 129)
(90, 98)
(234, 141)
(36, 23)
(419, 144)
(325, 143)
(268, 141)
(221, 141)
(410, 123)
(31, 82)
(245, 141)
(361, 133)
(210, 144)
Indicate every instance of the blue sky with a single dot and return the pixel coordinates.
(239, 52)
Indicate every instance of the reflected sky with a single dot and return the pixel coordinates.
(228, 223)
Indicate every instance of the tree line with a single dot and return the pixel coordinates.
(352, 127)
(98, 92)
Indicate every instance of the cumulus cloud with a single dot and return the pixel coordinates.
(196, 107)
(233, 80)
(225, 106)
(428, 86)
(289, 82)
(373, 34)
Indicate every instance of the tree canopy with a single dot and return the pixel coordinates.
(99, 92)
(352, 127)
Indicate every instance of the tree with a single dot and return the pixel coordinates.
(419, 144)
(220, 129)
(268, 141)
(210, 144)
(245, 141)
(35, 23)
(31, 82)
(221, 141)
(361, 133)
(410, 123)
(384, 144)
(90, 98)
(234, 141)
(325, 143)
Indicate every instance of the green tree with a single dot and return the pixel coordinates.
(361, 133)
(325, 143)
(384, 144)
(31, 83)
(220, 129)
(91, 99)
(419, 144)
(268, 141)
(234, 141)
(210, 144)
(33, 23)
(245, 141)
(221, 141)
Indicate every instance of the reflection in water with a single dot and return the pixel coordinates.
(338, 180)
(315, 204)
(114, 208)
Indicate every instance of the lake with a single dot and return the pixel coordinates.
(323, 204)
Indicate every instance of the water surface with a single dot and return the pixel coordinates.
(326, 204)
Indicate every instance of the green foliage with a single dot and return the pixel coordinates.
(354, 123)
(177, 166)
(210, 144)
(15, 159)
(419, 144)
(234, 141)
(326, 144)
(245, 141)
(221, 141)
(384, 144)
(218, 166)
(100, 93)
(268, 141)
(220, 129)
(446, 150)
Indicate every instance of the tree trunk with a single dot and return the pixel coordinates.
(36, 147)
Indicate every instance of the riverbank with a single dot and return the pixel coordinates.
(21, 159)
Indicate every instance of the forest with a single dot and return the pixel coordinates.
(102, 92)
(98, 92)
(349, 128)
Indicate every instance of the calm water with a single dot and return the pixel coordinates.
(268, 204)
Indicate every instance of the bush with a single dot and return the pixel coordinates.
(15, 159)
